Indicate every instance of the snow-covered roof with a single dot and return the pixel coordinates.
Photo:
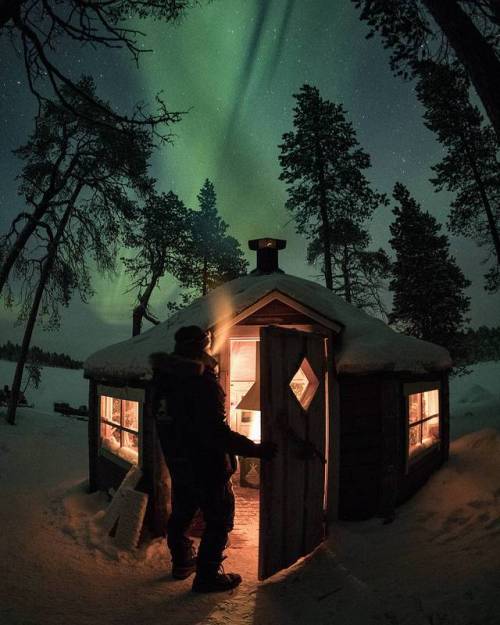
(365, 344)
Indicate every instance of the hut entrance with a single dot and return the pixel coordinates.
(275, 383)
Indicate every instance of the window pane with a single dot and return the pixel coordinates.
(107, 408)
(110, 409)
(430, 433)
(414, 436)
(130, 411)
(117, 410)
(110, 437)
(130, 448)
(414, 403)
(122, 413)
(430, 402)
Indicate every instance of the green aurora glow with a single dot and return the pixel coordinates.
(233, 65)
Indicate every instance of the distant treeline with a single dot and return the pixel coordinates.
(11, 351)
(482, 344)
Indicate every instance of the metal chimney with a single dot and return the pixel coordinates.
(267, 255)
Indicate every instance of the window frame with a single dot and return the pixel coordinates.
(414, 388)
(124, 394)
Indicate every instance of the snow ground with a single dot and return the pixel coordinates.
(437, 564)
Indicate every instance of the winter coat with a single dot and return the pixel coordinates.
(189, 407)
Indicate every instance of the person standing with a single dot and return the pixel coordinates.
(200, 451)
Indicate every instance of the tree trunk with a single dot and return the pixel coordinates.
(493, 228)
(346, 275)
(137, 315)
(475, 53)
(34, 219)
(140, 311)
(325, 230)
(14, 252)
(30, 325)
(204, 284)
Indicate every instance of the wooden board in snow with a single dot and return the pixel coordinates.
(115, 507)
(132, 510)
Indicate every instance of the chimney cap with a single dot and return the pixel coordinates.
(267, 255)
(274, 244)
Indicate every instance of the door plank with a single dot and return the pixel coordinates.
(316, 435)
(292, 485)
(294, 425)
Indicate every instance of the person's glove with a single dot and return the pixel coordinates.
(267, 450)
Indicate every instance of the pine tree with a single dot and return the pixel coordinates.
(213, 256)
(323, 167)
(359, 273)
(470, 168)
(428, 286)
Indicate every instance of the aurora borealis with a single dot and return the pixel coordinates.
(233, 65)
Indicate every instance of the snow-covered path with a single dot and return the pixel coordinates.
(54, 571)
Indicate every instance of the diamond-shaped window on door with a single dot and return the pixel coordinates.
(304, 384)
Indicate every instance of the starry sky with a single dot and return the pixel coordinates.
(233, 65)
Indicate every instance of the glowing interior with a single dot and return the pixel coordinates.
(120, 427)
(299, 383)
(423, 421)
(304, 384)
(243, 375)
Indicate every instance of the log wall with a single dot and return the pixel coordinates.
(374, 471)
(361, 447)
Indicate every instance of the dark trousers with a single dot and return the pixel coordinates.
(215, 498)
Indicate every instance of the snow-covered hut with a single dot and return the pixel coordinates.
(359, 411)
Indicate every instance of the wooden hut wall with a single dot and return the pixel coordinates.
(361, 449)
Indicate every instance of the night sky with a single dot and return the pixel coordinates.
(234, 65)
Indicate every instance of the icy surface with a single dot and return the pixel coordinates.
(57, 385)
(366, 343)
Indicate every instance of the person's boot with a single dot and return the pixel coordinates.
(183, 561)
(210, 577)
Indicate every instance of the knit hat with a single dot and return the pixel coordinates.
(192, 337)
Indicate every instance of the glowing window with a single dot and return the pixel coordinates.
(423, 421)
(120, 427)
(304, 384)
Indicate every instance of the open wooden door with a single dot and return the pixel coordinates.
(293, 414)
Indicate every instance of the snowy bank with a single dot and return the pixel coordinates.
(475, 399)
(439, 561)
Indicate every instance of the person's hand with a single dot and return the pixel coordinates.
(268, 450)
